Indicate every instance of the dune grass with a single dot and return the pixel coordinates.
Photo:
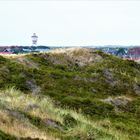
(65, 96)
(26, 116)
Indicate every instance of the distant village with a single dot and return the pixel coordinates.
(126, 52)
(22, 49)
(131, 53)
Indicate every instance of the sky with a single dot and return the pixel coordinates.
(70, 23)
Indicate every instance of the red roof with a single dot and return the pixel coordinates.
(134, 59)
(6, 53)
(134, 51)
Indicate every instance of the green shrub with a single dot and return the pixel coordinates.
(69, 121)
(4, 136)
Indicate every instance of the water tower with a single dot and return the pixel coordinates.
(34, 39)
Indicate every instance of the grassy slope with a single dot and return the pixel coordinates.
(83, 80)
(27, 116)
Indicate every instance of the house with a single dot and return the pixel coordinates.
(134, 52)
(5, 50)
(22, 49)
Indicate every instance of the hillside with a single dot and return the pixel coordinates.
(69, 94)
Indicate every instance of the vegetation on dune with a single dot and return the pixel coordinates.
(97, 95)
(41, 119)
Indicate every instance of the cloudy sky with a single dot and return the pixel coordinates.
(71, 23)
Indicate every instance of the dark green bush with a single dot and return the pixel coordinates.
(4, 136)
(69, 121)
(98, 108)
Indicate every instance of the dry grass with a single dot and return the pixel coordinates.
(44, 108)
(82, 56)
(16, 125)
(21, 128)
(12, 56)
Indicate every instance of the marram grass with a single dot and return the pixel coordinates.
(14, 121)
